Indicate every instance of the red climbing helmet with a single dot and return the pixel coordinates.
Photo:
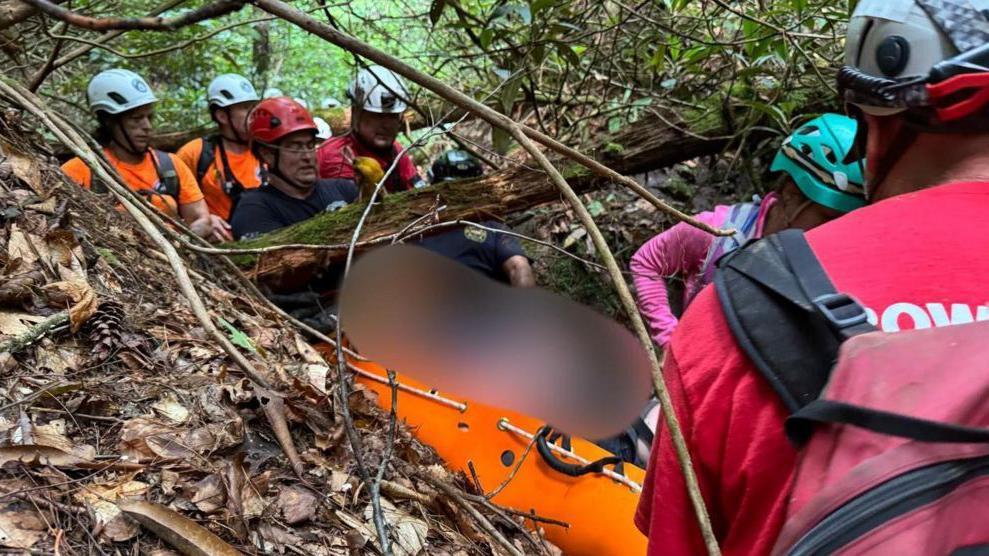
(274, 118)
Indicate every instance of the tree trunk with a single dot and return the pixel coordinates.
(647, 146)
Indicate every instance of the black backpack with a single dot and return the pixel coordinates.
(786, 315)
(168, 178)
(231, 186)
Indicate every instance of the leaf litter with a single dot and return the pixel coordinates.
(127, 430)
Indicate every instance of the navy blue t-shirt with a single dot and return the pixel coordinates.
(482, 250)
(266, 209)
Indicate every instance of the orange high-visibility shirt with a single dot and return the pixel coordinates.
(244, 166)
(143, 178)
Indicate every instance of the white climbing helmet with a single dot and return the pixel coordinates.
(378, 89)
(323, 130)
(116, 91)
(910, 55)
(229, 89)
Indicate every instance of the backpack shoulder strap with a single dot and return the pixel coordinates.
(206, 157)
(786, 314)
(167, 174)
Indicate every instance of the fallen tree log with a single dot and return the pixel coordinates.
(648, 146)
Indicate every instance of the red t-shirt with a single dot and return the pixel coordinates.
(915, 261)
(332, 163)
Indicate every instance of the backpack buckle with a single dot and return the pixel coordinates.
(831, 304)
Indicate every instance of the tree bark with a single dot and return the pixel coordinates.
(647, 146)
(13, 12)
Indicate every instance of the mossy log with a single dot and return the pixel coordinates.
(647, 146)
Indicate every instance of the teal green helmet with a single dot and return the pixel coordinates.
(814, 156)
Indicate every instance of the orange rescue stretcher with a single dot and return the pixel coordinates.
(598, 504)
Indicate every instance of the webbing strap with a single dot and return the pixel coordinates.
(801, 424)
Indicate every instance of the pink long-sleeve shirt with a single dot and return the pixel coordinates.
(679, 251)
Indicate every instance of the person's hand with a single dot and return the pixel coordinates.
(219, 230)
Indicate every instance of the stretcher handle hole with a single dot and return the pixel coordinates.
(507, 458)
(464, 427)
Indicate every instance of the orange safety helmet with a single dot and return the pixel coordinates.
(274, 118)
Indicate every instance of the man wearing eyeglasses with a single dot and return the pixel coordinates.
(283, 138)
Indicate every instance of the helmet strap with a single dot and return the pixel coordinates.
(129, 146)
(237, 137)
(897, 148)
(792, 216)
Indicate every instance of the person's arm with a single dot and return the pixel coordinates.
(509, 255)
(189, 154)
(193, 209)
(409, 173)
(519, 271)
(679, 251)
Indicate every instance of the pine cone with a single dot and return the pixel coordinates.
(106, 331)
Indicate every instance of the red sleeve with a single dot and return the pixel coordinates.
(733, 424)
(331, 162)
(408, 172)
(665, 514)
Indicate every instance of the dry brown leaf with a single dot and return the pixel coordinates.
(297, 504)
(34, 455)
(82, 297)
(16, 323)
(20, 528)
(26, 168)
(409, 532)
(23, 246)
(53, 434)
(170, 408)
(101, 500)
(182, 533)
(209, 494)
(316, 374)
(274, 409)
(46, 207)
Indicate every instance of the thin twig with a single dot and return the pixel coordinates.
(458, 497)
(34, 333)
(110, 35)
(515, 470)
(209, 11)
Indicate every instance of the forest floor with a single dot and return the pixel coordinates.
(124, 429)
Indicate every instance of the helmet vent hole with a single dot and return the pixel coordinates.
(117, 97)
(227, 94)
(805, 149)
(808, 130)
(829, 154)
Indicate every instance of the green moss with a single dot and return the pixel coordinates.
(108, 256)
(573, 280)
(573, 170)
(613, 148)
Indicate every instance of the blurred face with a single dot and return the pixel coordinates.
(234, 119)
(297, 158)
(378, 130)
(135, 125)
